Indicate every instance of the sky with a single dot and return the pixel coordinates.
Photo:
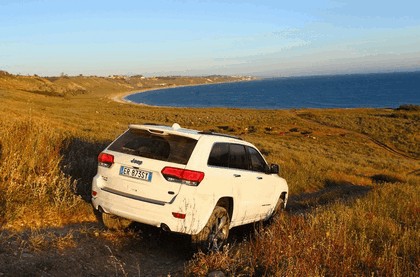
(183, 37)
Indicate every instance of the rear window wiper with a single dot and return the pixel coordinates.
(131, 150)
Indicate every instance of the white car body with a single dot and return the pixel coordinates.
(161, 200)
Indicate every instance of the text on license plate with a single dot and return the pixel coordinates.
(136, 173)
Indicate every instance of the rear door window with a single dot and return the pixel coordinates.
(170, 148)
(257, 162)
(228, 155)
(219, 155)
(237, 157)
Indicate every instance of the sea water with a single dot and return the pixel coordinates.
(386, 90)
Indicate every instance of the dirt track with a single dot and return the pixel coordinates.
(90, 250)
(143, 251)
(93, 251)
(375, 141)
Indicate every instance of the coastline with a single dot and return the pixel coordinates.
(291, 94)
(121, 97)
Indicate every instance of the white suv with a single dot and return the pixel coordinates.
(186, 181)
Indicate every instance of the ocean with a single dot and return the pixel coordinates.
(384, 90)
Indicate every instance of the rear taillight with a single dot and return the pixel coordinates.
(178, 215)
(183, 176)
(105, 160)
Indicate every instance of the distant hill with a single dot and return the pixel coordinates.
(76, 85)
(39, 85)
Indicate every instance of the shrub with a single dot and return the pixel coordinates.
(33, 189)
(409, 107)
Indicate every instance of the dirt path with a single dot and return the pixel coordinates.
(375, 141)
(88, 250)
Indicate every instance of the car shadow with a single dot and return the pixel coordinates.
(332, 192)
(79, 161)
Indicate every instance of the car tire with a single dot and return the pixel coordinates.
(114, 222)
(214, 235)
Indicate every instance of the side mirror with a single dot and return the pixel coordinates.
(274, 169)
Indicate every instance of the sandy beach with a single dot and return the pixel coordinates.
(120, 97)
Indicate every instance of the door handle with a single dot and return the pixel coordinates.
(236, 175)
(259, 178)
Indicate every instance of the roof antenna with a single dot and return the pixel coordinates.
(176, 126)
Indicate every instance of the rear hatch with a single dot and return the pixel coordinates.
(139, 157)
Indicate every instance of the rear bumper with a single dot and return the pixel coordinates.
(148, 212)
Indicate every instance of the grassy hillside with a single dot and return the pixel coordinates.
(353, 175)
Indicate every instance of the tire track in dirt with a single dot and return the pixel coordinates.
(375, 141)
(390, 149)
(87, 249)
(414, 172)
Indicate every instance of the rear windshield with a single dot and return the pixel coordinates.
(170, 148)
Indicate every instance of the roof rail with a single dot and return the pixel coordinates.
(218, 134)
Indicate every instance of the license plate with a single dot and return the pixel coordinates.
(136, 173)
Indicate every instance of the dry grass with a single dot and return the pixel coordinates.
(35, 192)
(397, 128)
(354, 206)
(376, 235)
